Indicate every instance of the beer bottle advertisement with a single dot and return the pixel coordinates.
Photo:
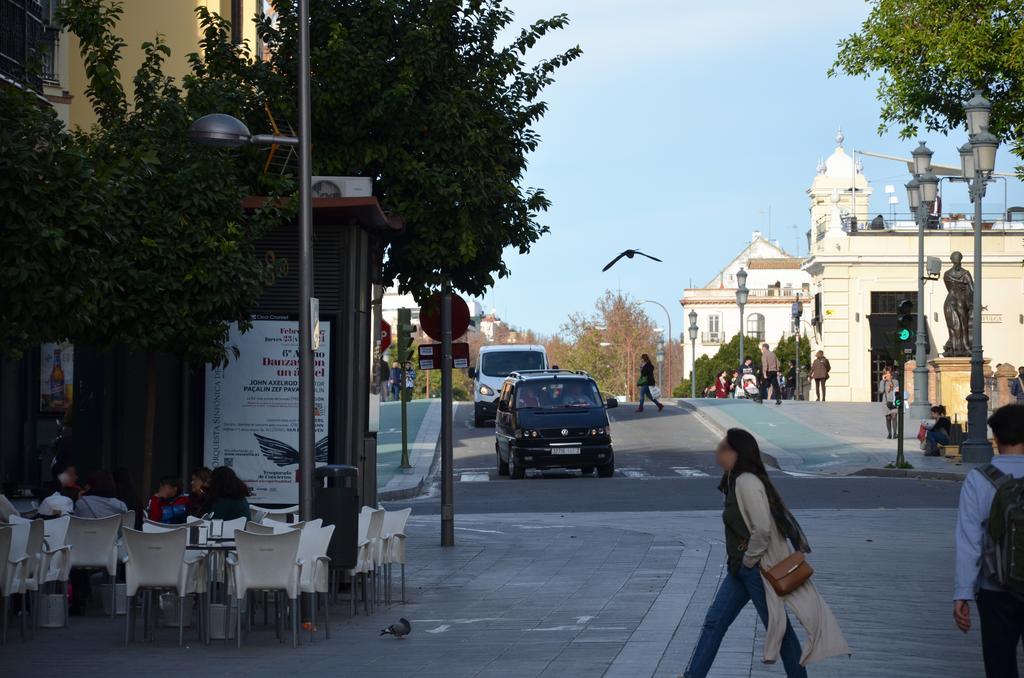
(56, 377)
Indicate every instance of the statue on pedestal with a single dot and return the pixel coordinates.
(958, 308)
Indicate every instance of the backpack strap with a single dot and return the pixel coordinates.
(993, 475)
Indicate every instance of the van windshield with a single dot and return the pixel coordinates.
(504, 363)
(547, 394)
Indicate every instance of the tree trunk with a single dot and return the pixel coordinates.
(150, 424)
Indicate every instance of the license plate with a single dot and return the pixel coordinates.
(565, 450)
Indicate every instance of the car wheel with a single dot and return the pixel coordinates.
(587, 470)
(515, 471)
(606, 471)
(502, 464)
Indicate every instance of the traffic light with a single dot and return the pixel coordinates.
(405, 330)
(906, 322)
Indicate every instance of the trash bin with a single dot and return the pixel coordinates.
(337, 502)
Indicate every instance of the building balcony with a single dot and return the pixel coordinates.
(771, 295)
(904, 224)
(21, 34)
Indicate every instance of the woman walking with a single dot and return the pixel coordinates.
(759, 533)
(646, 381)
(888, 390)
(819, 373)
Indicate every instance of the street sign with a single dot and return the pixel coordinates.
(385, 335)
(430, 317)
(430, 355)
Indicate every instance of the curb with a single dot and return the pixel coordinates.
(908, 473)
(417, 489)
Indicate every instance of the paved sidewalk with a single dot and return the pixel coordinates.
(424, 420)
(615, 594)
(829, 438)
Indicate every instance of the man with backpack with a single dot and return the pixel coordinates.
(990, 546)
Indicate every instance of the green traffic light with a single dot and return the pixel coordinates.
(903, 334)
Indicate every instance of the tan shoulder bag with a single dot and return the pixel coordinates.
(789, 574)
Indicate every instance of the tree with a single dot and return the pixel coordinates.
(53, 237)
(418, 95)
(930, 54)
(184, 267)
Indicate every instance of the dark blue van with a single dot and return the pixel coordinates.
(553, 419)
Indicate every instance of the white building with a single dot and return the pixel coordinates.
(394, 300)
(775, 281)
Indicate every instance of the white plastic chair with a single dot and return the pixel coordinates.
(393, 541)
(223, 529)
(150, 527)
(256, 528)
(128, 519)
(55, 563)
(11, 565)
(266, 562)
(27, 540)
(375, 537)
(316, 569)
(94, 546)
(158, 560)
(289, 514)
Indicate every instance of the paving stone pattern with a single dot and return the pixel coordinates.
(615, 594)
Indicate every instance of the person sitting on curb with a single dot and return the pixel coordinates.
(1000, 611)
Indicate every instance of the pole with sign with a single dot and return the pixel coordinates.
(447, 507)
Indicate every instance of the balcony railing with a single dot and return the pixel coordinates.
(21, 30)
(896, 223)
(729, 294)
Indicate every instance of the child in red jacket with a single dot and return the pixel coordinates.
(168, 505)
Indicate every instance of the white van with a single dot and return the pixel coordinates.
(492, 366)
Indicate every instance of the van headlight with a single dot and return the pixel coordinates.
(486, 390)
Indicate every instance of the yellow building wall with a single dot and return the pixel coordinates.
(866, 264)
(142, 21)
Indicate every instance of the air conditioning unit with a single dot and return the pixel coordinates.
(342, 187)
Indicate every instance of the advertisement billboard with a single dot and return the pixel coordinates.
(252, 408)
(56, 377)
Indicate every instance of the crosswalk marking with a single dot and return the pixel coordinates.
(474, 476)
(688, 472)
(634, 473)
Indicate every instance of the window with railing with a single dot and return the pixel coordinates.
(714, 328)
(21, 29)
(755, 326)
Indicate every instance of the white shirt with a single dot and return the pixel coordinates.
(976, 497)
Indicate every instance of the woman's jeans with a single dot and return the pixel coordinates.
(733, 594)
(933, 439)
(645, 390)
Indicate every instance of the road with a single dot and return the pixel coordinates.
(664, 462)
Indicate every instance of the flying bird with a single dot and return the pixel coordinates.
(399, 630)
(284, 454)
(629, 254)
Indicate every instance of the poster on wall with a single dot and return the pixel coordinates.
(252, 408)
(56, 377)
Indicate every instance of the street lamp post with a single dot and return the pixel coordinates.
(224, 131)
(797, 312)
(693, 354)
(741, 300)
(922, 191)
(977, 167)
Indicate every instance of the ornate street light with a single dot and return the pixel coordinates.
(741, 300)
(693, 353)
(977, 167)
(922, 191)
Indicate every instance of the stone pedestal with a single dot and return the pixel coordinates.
(953, 385)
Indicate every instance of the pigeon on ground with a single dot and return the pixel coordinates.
(629, 254)
(399, 630)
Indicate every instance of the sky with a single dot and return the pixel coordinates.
(677, 132)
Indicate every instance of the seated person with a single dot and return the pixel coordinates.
(65, 492)
(99, 498)
(197, 492)
(227, 495)
(937, 430)
(576, 395)
(168, 505)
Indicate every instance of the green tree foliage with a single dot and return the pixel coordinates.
(727, 359)
(53, 239)
(930, 54)
(420, 96)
